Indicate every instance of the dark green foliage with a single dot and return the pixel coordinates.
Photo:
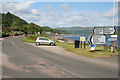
(10, 20)
(18, 24)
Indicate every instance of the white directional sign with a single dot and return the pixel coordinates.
(114, 36)
(109, 30)
(97, 39)
(98, 30)
(104, 30)
(112, 39)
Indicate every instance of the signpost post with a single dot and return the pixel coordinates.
(112, 46)
(104, 47)
(81, 44)
(114, 36)
(84, 44)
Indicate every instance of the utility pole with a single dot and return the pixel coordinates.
(113, 12)
(114, 20)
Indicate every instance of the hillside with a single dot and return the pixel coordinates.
(78, 30)
(11, 22)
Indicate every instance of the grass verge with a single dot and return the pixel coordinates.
(27, 39)
(99, 50)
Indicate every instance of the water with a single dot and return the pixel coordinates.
(77, 37)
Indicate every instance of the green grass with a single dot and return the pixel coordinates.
(79, 51)
(27, 39)
(32, 38)
(86, 52)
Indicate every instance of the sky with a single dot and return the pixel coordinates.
(64, 14)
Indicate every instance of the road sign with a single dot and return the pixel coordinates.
(112, 39)
(92, 45)
(114, 36)
(97, 39)
(109, 30)
(82, 38)
(104, 30)
(98, 30)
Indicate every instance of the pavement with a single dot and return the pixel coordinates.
(25, 60)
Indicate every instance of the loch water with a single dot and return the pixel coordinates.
(77, 37)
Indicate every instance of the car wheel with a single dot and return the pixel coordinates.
(51, 44)
(37, 43)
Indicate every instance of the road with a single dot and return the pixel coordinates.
(21, 60)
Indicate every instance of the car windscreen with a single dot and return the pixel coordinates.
(43, 39)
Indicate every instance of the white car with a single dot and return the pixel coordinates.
(44, 40)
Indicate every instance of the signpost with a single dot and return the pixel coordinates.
(104, 30)
(97, 39)
(101, 31)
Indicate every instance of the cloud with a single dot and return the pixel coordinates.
(36, 12)
(66, 19)
(66, 7)
(21, 7)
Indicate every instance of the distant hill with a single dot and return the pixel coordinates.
(78, 30)
(83, 30)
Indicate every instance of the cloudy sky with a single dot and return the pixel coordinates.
(63, 14)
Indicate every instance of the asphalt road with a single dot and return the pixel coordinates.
(24, 61)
